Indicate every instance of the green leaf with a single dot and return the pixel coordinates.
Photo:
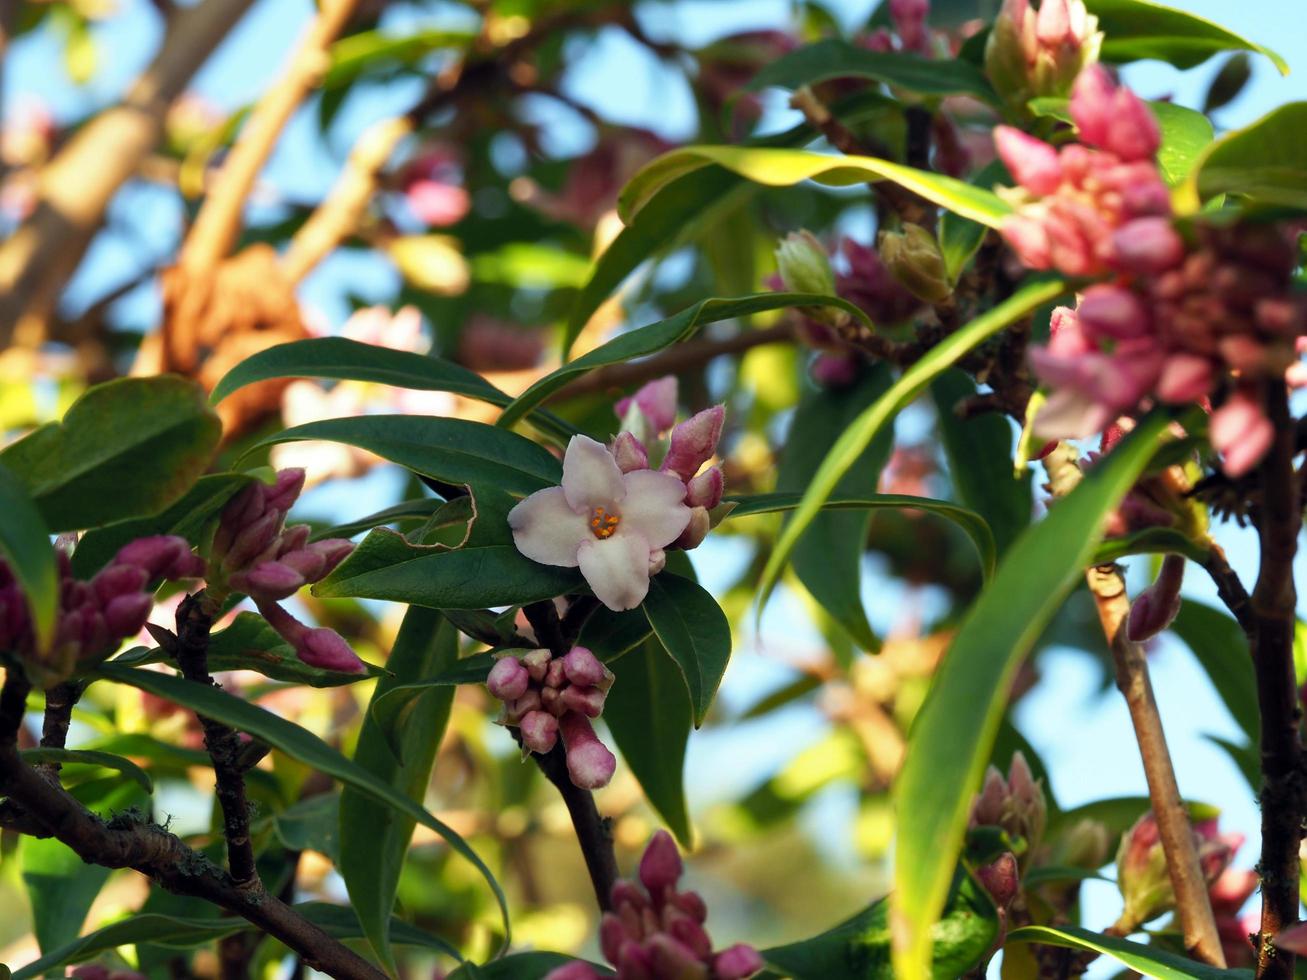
(1264, 163)
(693, 629)
(855, 439)
(348, 360)
(824, 60)
(1137, 29)
(186, 518)
(655, 336)
(828, 558)
(25, 545)
(384, 566)
(405, 510)
(124, 448)
(1147, 960)
(859, 949)
(249, 643)
(1221, 647)
(312, 824)
(1119, 813)
(979, 454)
(369, 51)
(960, 238)
(90, 757)
(648, 712)
(783, 168)
(520, 966)
(1185, 133)
(448, 449)
(950, 741)
(374, 837)
(1150, 541)
(297, 743)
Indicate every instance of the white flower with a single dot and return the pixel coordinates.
(613, 526)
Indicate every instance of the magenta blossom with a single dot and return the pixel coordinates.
(612, 525)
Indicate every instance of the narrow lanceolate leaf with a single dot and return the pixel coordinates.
(951, 738)
(693, 629)
(1151, 541)
(1222, 648)
(299, 744)
(124, 449)
(1138, 29)
(373, 836)
(452, 450)
(656, 336)
(1146, 960)
(90, 757)
(406, 511)
(782, 168)
(648, 713)
(25, 546)
(340, 359)
(855, 439)
(1264, 163)
(975, 526)
(833, 58)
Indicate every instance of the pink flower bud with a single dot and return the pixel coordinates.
(1029, 240)
(674, 959)
(694, 533)
(327, 649)
(690, 934)
(438, 204)
(1032, 162)
(1159, 604)
(612, 936)
(539, 731)
(705, 490)
(1293, 939)
(269, 580)
(656, 400)
(660, 866)
(909, 17)
(251, 541)
(293, 538)
(630, 453)
(309, 564)
(1185, 378)
(1113, 118)
(1243, 353)
(554, 674)
(1147, 246)
(636, 963)
(1241, 432)
(94, 635)
(584, 668)
(285, 490)
(507, 679)
(737, 962)
(835, 370)
(536, 663)
(551, 700)
(333, 552)
(626, 894)
(692, 904)
(124, 615)
(694, 441)
(155, 554)
(589, 701)
(1113, 311)
(1001, 879)
(118, 580)
(589, 762)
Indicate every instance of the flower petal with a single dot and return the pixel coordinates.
(547, 530)
(617, 569)
(591, 477)
(653, 507)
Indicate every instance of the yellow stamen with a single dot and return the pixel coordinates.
(603, 524)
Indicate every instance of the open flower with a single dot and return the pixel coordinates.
(613, 526)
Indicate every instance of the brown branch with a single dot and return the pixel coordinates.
(1229, 587)
(75, 187)
(59, 703)
(128, 841)
(218, 222)
(1273, 602)
(1107, 586)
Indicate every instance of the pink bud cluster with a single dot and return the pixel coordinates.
(1040, 52)
(1015, 804)
(1228, 894)
(546, 697)
(910, 32)
(95, 616)
(1176, 320)
(1141, 870)
(255, 553)
(658, 933)
(432, 184)
(648, 414)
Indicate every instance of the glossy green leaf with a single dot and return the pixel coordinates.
(374, 837)
(855, 439)
(832, 58)
(1221, 647)
(448, 449)
(25, 546)
(340, 359)
(186, 517)
(1138, 29)
(693, 629)
(1150, 961)
(369, 51)
(648, 712)
(124, 449)
(828, 558)
(782, 168)
(384, 566)
(90, 757)
(859, 949)
(405, 511)
(655, 336)
(297, 743)
(950, 741)
(1264, 163)
(311, 824)
(1150, 541)
(960, 238)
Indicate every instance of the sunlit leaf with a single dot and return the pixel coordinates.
(1138, 29)
(1150, 961)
